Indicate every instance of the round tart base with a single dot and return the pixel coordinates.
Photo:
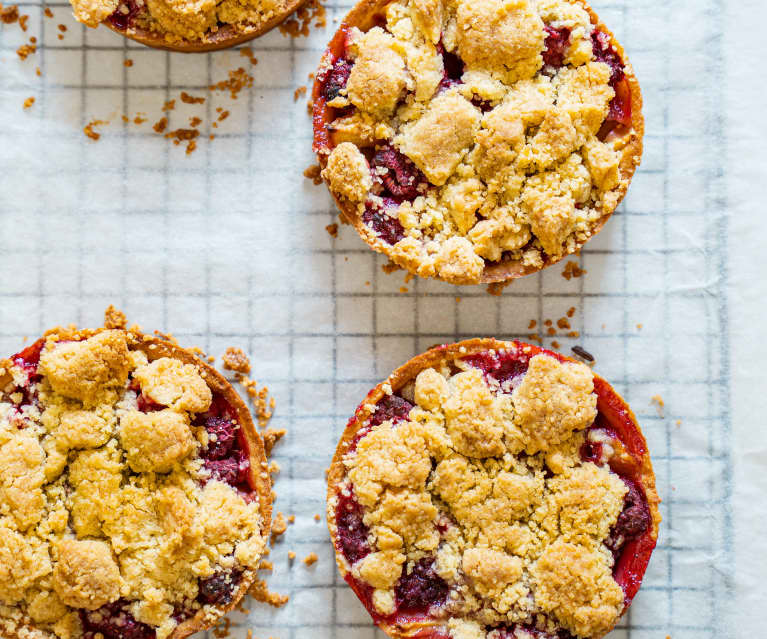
(365, 15)
(258, 479)
(225, 37)
(630, 564)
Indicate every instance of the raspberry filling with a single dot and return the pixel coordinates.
(218, 589)
(401, 178)
(336, 79)
(387, 227)
(452, 68)
(630, 540)
(620, 105)
(420, 589)
(114, 621)
(556, 44)
(126, 12)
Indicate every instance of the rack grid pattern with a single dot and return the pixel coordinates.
(228, 247)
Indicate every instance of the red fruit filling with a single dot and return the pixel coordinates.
(556, 44)
(401, 178)
(386, 226)
(620, 105)
(27, 360)
(633, 521)
(336, 78)
(352, 535)
(507, 366)
(391, 407)
(113, 621)
(420, 589)
(452, 68)
(222, 437)
(125, 13)
(218, 589)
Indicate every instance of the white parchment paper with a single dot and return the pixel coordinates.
(227, 247)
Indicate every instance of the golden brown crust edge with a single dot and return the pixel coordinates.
(224, 38)
(399, 378)
(154, 348)
(503, 271)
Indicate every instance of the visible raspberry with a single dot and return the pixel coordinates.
(633, 521)
(453, 68)
(113, 621)
(218, 589)
(422, 588)
(402, 178)
(556, 45)
(352, 533)
(336, 78)
(605, 52)
(501, 366)
(224, 436)
(232, 470)
(388, 227)
(391, 407)
(123, 16)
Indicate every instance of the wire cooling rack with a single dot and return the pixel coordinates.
(227, 246)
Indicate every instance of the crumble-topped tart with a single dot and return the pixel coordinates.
(186, 25)
(494, 490)
(476, 140)
(135, 500)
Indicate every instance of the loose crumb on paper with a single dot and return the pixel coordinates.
(247, 52)
(298, 24)
(659, 404)
(186, 98)
(236, 360)
(25, 50)
(279, 525)
(271, 437)
(260, 592)
(572, 270)
(114, 318)
(332, 230)
(496, 288)
(300, 91)
(314, 173)
(29, 102)
(90, 131)
(311, 558)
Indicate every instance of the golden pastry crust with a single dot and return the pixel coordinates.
(522, 530)
(523, 184)
(89, 544)
(187, 25)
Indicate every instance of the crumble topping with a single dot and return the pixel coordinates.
(179, 21)
(470, 132)
(480, 487)
(115, 503)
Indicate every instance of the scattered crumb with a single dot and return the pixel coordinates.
(220, 632)
(332, 230)
(265, 565)
(291, 555)
(23, 19)
(554, 344)
(9, 15)
(260, 592)
(659, 404)
(639, 327)
(571, 311)
(317, 517)
(678, 423)
(264, 404)
(238, 80)
(532, 325)
(190, 99)
(38, 73)
(271, 437)
(128, 62)
(160, 125)
(403, 289)
(496, 288)
(194, 121)
(551, 331)
(390, 267)
(314, 173)
(88, 129)
(223, 115)
(25, 50)
(247, 52)
(182, 135)
(300, 91)
(572, 270)
(563, 323)
(536, 338)
(114, 318)
(29, 102)
(548, 322)
(311, 558)
(457, 299)
(298, 24)
(169, 105)
(279, 525)
(367, 283)
(235, 359)
(574, 334)
(291, 519)
(63, 28)
(47, 12)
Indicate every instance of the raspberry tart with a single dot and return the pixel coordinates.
(494, 490)
(186, 25)
(476, 140)
(134, 497)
